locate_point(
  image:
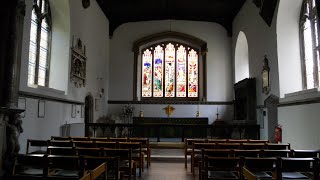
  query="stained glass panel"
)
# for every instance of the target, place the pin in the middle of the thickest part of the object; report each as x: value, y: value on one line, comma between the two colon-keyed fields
x: 181, y: 71
x: 158, y: 72
x: 147, y: 73
x: 192, y: 73
x: 170, y: 71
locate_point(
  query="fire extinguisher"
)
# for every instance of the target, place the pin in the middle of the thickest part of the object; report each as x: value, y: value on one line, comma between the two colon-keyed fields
x: 278, y: 134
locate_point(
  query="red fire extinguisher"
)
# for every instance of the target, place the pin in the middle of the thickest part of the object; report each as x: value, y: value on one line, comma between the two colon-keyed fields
x: 278, y: 134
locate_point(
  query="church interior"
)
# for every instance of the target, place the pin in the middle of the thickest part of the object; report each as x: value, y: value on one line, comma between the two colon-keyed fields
x: 204, y: 80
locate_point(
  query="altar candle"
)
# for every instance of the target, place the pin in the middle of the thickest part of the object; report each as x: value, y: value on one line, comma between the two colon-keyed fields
x: 217, y: 109
x: 198, y: 107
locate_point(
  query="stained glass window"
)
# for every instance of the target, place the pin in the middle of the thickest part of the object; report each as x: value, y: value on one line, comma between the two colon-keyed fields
x: 39, y: 43
x: 170, y: 70
x: 310, y: 44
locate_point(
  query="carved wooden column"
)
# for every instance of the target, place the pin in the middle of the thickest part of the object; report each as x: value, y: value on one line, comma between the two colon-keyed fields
x: 11, y: 31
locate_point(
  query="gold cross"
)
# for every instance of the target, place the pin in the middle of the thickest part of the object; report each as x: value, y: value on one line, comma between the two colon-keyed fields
x: 169, y: 110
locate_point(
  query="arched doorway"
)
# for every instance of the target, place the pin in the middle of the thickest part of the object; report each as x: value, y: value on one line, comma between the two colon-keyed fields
x: 88, y: 112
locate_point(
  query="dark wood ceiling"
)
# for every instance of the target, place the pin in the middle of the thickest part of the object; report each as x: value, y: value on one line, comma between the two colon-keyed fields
x: 123, y: 11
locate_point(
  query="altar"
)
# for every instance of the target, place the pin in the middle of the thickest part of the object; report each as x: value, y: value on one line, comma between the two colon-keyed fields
x: 170, y: 127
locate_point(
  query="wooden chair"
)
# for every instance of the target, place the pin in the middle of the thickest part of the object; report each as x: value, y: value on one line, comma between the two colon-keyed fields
x: 196, y: 153
x: 65, y: 166
x: 222, y: 168
x: 229, y: 145
x: 126, y: 164
x: 60, y: 138
x: 54, y: 150
x: 89, y: 144
x: 237, y: 141
x: 78, y: 138
x: 113, y: 171
x: 118, y: 139
x: 61, y: 143
x: 30, y: 166
x: 217, y: 140
x: 188, y: 144
x: 246, y: 153
x: 99, y: 171
x: 275, y: 153
x: 85, y: 151
x: 104, y: 139
x: 212, y: 153
x: 41, y: 146
x: 258, y: 168
x: 145, y: 147
x: 102, y: 144
x: 305, y: 153
x: 254, y: 146
x: 258, y: 141
x: 297, y: 168
x: 275, y: 146
x: 137, y: 155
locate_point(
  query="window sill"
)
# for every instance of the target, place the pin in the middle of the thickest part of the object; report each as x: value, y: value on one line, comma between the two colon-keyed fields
x: 301, y: 97
x: 47, y: 89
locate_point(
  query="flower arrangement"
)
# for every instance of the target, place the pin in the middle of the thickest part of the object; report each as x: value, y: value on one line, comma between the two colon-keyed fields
x: 127, y: 110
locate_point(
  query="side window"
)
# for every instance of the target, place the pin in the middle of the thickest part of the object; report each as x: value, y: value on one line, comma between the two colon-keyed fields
x: 40, y: 38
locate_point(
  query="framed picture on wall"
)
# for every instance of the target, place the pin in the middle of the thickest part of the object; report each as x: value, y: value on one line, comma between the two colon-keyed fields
x: 41, y: 108
x: 73, y: 110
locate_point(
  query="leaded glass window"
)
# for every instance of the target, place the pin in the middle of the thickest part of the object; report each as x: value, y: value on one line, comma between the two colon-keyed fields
x: 170, y: 70
x: 40, y: 34
x: 309, y: 44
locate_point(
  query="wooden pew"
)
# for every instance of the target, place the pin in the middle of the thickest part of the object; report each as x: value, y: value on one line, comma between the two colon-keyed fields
x: 41, y: 146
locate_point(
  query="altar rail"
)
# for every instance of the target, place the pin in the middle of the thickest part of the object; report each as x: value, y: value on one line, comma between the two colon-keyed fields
x: 239, y: 131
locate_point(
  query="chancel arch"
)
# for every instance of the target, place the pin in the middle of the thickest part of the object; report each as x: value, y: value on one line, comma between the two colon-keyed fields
x: 159, y: 62
x: 241, y: 68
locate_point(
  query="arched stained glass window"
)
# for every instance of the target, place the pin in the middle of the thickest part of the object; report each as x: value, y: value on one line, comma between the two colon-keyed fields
x: 170, y: 70
x: 310, y: 48
x: 40, y: 32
